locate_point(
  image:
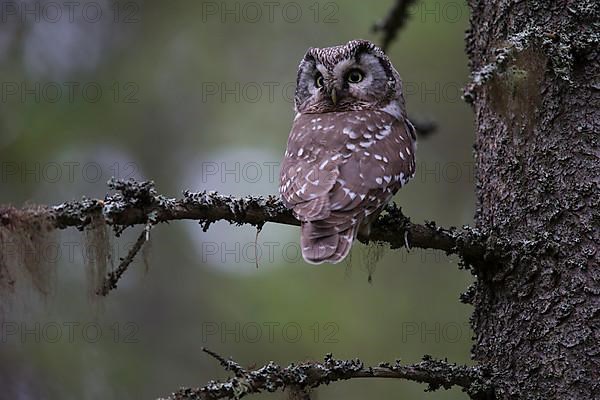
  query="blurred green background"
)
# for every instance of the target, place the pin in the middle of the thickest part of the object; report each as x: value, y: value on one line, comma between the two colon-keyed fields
x: 198, y: 95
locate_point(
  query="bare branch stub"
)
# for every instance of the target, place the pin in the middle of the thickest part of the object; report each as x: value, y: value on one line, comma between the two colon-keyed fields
x: 272, y: 377
x: 424, y: 126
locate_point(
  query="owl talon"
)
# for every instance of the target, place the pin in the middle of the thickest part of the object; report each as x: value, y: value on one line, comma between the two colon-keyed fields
x: 406, y: 244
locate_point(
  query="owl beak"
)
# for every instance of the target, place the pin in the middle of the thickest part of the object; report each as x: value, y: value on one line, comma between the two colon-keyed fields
x: 333, y: 96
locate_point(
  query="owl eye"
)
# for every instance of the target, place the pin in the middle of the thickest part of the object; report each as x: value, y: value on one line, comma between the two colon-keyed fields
x: 355, y: 76
x: 319, y: 81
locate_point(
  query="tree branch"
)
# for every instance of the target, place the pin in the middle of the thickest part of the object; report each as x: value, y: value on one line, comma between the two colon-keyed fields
x: 390, y: 25
x: 138, y: 203
x: 393, y: 22
x: 272, y: 377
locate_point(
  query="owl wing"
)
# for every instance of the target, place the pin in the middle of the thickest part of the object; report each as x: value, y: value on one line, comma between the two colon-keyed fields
x: 381, y: 161
x: 310, y: 168
x: 361, y: 159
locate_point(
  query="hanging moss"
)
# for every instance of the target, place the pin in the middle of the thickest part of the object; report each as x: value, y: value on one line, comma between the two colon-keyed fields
x: 27, y: 266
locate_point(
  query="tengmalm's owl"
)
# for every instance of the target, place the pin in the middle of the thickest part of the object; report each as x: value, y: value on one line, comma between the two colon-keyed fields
x: 350, y: 149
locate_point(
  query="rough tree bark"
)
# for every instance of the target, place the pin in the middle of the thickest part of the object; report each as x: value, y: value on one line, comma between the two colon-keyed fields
x: 535, y: 93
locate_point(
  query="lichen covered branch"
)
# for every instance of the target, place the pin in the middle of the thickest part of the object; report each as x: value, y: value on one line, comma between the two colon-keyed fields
x: 272, y: 377
x: 139, y: 203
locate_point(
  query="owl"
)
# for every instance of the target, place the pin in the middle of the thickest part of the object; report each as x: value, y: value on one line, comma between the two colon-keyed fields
x: 350, y: 149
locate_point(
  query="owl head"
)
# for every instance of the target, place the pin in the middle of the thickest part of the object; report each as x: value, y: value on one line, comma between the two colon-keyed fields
x: 354, y: 76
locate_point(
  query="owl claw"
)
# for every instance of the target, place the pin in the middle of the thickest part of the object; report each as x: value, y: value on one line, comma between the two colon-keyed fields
x: 406, y: 244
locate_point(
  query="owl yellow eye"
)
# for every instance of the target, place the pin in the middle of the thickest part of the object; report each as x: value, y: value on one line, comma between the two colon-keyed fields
x: 319, y: 81
x: 355, y: 76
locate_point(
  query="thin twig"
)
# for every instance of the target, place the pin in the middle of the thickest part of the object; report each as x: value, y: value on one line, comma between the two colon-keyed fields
x: 110, y: 282
x: 229, y: 365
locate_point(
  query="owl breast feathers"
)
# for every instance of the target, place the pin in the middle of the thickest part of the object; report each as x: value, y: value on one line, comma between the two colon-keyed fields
x: 349, y: 150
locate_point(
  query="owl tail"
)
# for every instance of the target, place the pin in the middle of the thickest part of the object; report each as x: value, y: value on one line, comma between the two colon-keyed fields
x: 332, y: 249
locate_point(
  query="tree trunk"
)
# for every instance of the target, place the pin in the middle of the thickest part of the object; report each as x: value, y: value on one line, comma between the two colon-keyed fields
x: 536, y: 97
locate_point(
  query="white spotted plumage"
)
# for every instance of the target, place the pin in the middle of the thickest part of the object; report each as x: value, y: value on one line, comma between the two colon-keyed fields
x: 350, y: 148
